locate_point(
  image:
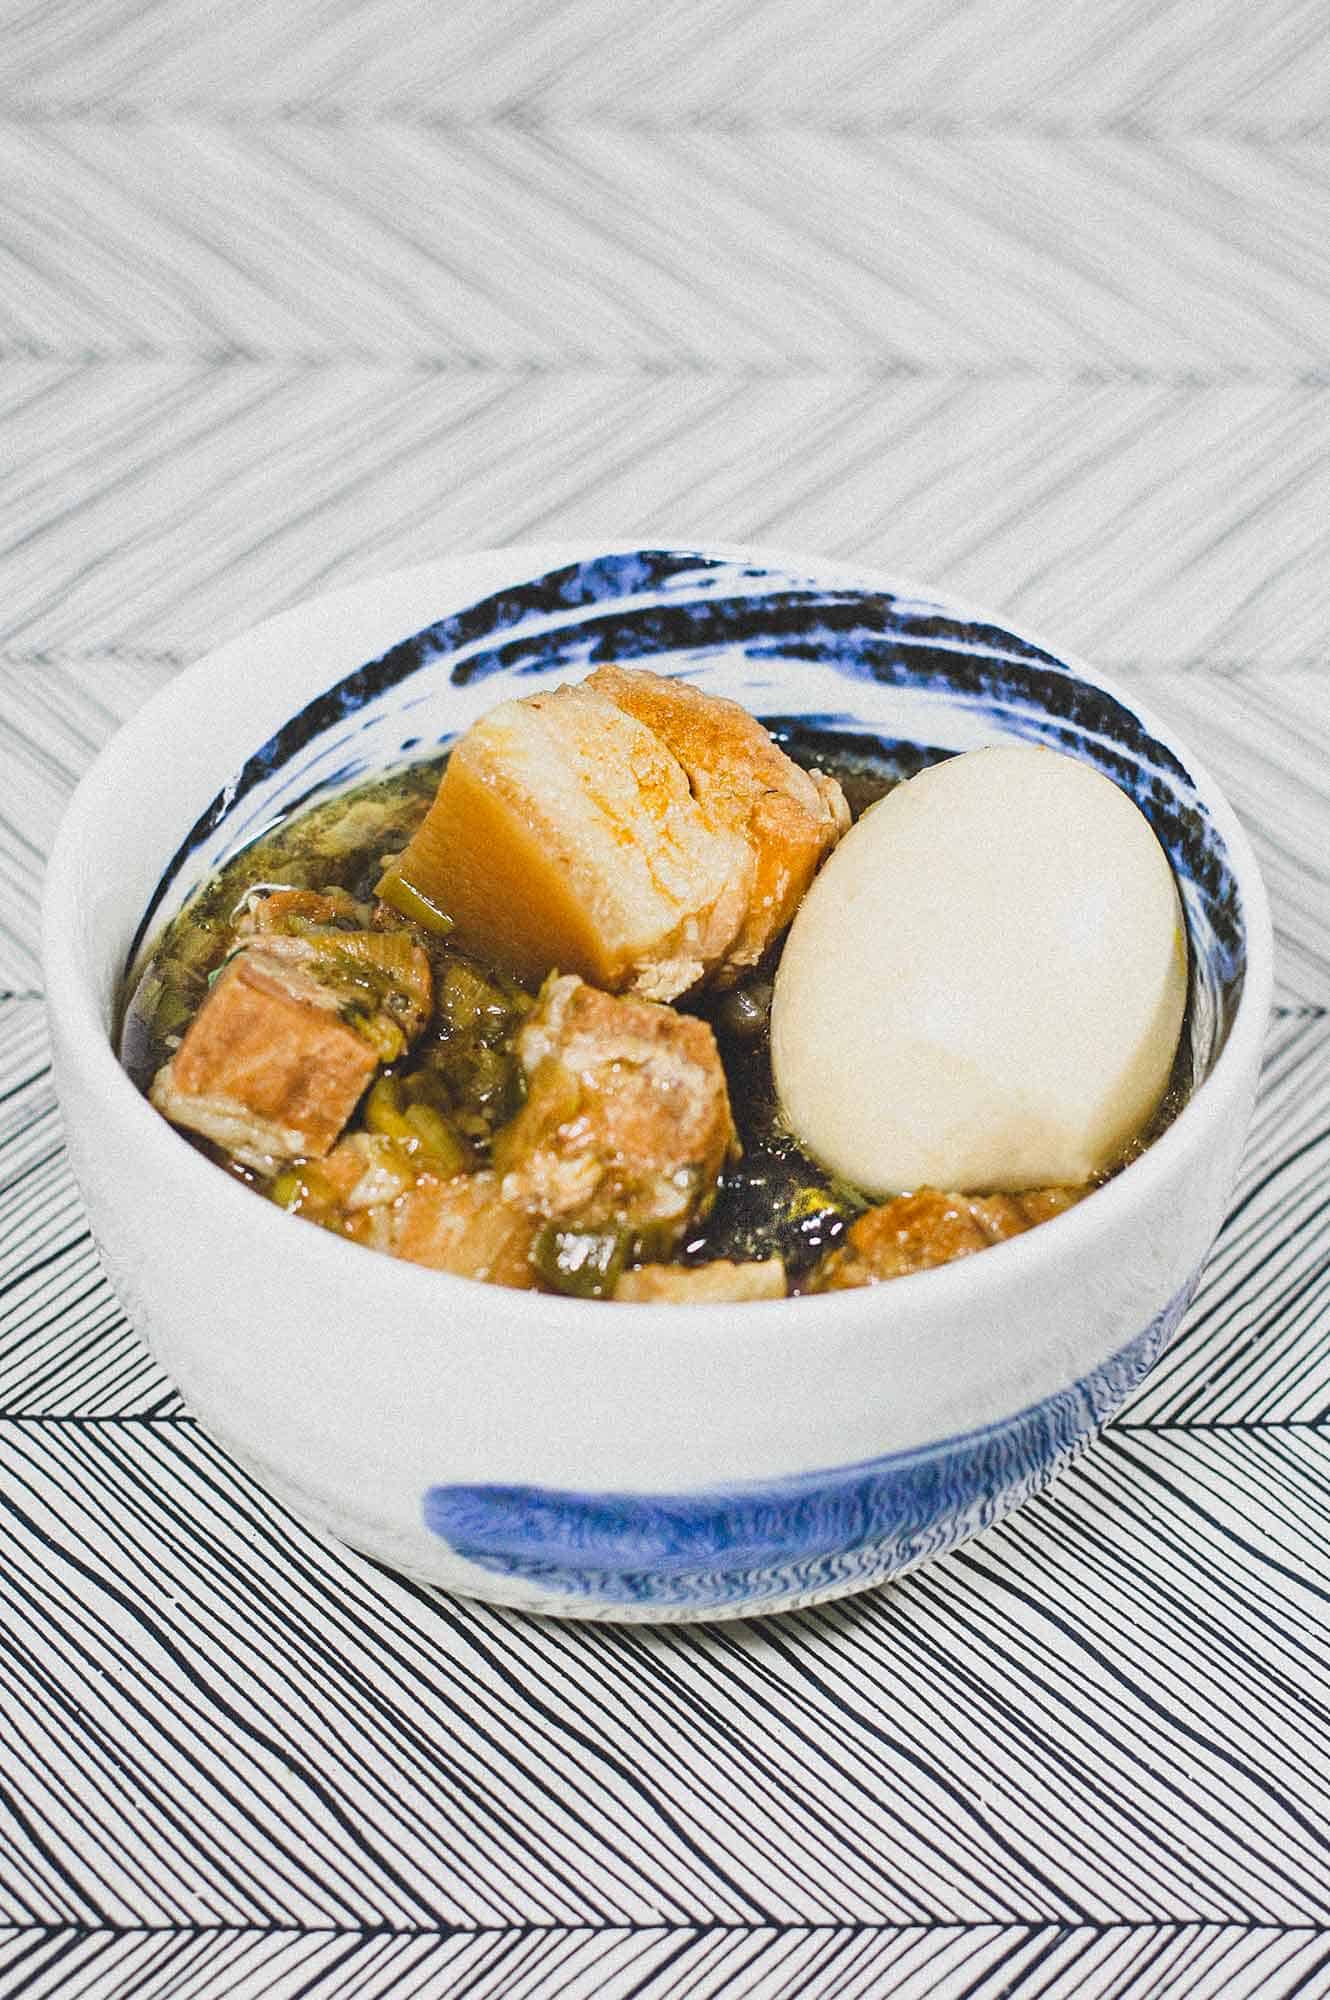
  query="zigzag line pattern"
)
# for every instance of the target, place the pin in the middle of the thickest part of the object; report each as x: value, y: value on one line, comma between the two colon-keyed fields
x: 1027, y: 302
x: 1244, y: 68
x: 1057, y: 1961
x: 1002, y: 249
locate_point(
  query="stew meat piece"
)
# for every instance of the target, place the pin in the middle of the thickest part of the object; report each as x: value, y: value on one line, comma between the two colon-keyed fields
x: 266, y: 1069
x: 627, y: 1120
x: 460, y: 1225
x: 277, y: 1057
x: 718, y: 1283
x: 628, y: 828
x: 915, y: 1232
x: 370, y: 1189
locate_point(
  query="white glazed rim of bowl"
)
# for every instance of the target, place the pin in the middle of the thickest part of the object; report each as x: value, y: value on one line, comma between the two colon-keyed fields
x: 77, y: 1008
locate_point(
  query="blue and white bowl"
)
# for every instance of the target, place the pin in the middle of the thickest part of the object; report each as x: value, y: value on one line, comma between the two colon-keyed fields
x: 651, y: 1462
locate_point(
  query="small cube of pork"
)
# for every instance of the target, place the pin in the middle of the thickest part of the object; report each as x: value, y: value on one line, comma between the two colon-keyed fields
x: 718, y: 1282
x: 371, y: 1189
x: 461, y: 1225
x: 275, y: 1061
x: 915, y: 1232
x: 627, y: 1119
x: 266, y: 1069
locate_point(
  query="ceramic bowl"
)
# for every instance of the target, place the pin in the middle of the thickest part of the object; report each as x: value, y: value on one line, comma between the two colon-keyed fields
x: 576, y: 1458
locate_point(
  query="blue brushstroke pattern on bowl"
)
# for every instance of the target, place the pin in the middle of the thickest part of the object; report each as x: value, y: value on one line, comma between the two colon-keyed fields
x: 767, y: 1541
x: 857, y: 659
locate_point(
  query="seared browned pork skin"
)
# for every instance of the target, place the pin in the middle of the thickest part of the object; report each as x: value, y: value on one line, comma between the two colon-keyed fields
x: 788, y: 819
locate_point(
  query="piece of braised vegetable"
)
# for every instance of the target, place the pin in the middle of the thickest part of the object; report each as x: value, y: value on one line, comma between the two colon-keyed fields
x: 464, y: 1067
x: 626, y: 1125
x: 418, y: 1126
x: 581, y: 1263
x: 381, y: 981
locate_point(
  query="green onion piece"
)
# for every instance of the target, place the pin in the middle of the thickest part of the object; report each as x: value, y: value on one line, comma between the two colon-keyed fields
x: 296, y: 1188
x: 288, y: 1190
x: 174, y: 1012
x: 581, y: 1263
x: 425, y: 1085
x: 413, y: 903
x: 383, y: 1110
x: 444, y: 1146
x: 465, y: 995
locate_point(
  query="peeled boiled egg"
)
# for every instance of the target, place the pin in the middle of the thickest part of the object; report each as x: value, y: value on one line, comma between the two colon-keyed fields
x: 984, y: 987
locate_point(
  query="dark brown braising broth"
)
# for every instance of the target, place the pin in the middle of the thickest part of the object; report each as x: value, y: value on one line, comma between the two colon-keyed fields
x: 774, y: 1200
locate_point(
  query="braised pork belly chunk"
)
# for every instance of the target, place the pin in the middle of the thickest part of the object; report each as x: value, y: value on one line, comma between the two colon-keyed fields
x: 786, y: 819
x: 267, y: 1068
x: 631, y: 829
x: 917, y: 1232
x: 462, y: 1225
x: 293, y: 1028
x: 400, y: 1197
x: 627, y: 1119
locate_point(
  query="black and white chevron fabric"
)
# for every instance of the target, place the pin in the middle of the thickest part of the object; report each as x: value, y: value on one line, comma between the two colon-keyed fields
x: 1027, y: 301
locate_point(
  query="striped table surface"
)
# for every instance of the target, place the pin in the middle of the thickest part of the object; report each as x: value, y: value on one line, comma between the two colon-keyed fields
x: 1027, y: 301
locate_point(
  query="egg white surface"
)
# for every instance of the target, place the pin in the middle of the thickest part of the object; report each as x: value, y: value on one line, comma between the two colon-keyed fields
x: 984, y: 987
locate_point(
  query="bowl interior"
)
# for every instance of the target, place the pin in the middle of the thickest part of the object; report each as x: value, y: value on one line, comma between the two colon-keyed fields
x: 816, y: 648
